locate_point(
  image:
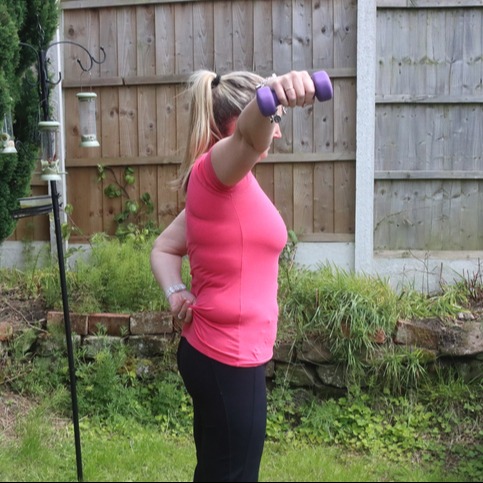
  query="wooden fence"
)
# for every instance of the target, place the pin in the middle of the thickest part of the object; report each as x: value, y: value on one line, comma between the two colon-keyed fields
x: 152, y: 47
x: 429, y: 125
x: 429, y: 110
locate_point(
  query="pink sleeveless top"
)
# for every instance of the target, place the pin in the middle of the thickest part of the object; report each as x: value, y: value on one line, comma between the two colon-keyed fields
x: 234, y: 237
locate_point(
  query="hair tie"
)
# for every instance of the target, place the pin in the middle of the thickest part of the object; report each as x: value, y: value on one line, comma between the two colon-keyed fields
x: 215, y: 81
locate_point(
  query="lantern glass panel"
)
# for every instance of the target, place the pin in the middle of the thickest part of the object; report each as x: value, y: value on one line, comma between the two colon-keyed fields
x: 49, y: 150
x: 87, y: 119
x: 7, y: 141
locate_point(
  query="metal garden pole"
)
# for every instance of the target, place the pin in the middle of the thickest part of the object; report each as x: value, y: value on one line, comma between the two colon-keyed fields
x: 44, y: 87
x: 68, y: 332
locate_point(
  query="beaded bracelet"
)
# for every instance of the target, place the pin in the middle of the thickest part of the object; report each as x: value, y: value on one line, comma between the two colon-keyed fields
x: 263, y: 83
x: 179, y: 287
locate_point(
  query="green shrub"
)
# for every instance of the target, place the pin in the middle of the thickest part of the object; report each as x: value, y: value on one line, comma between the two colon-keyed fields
x: 19, y: 22
x: 115, y: 277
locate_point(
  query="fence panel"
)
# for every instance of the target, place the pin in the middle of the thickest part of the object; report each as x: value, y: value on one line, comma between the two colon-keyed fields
x: 152, y: 47
x: 429, y: 126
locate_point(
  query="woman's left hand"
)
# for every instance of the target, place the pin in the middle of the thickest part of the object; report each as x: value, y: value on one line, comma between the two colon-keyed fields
x: 181, y: 308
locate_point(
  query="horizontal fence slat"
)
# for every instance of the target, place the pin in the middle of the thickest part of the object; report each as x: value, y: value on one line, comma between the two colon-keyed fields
x: 326, y: 237
x: 427, y: 3
x: 162, y: 160
x: 425, y: 254
x: 77, y: 4
x: 422, y: 175
x: 98, y: 82
x: 122, y: 161
x: 444, y: 99
x: 171, y: 79
x: 310, y: 157
x: 128, y: 81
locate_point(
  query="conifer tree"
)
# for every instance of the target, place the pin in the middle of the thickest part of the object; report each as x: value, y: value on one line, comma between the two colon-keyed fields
x: 21, y: 21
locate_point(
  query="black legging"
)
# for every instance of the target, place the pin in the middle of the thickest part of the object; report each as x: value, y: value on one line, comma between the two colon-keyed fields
x: 230, y: 412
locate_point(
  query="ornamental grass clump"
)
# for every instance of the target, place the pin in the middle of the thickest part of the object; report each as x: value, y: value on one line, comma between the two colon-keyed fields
x: 352, y: 312
x: 356, y: 314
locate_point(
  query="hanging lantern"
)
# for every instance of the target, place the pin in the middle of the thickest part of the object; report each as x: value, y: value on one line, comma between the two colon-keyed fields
x: 7, y: 141
x: 49, y: 151
x: 87, y: 115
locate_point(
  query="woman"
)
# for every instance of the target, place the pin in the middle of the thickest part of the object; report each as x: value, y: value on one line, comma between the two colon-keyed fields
x: 233, y: 236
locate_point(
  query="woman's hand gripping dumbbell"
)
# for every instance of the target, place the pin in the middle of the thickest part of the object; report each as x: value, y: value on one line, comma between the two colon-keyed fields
x: 268, y: 99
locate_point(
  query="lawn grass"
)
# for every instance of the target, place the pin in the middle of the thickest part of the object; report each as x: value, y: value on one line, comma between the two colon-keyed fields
x: 42, y: 449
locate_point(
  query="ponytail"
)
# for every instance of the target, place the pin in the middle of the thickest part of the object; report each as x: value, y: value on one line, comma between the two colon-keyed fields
x: 214, y: 102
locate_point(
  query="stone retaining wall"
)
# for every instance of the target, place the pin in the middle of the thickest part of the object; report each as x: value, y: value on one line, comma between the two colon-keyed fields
x: 309, y: 364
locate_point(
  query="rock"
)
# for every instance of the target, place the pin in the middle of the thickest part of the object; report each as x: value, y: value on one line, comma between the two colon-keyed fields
x: 332, y: 375
x: 314, y: 350
x: 298, y: 375
x: 417, y: 333
x: 466, y: 340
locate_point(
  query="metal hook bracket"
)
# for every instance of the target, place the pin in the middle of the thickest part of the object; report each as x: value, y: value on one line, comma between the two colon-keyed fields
x: 42, y: 69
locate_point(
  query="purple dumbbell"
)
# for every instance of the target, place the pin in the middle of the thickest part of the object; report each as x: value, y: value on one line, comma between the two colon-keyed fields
x: 267, y: 99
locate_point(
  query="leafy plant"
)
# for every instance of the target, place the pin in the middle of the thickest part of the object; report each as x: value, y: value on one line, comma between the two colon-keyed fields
x: 387, y: 426
x: 398, y: 368
x: 134, y: 220
x: 346, y: 309
x: 115, y: 276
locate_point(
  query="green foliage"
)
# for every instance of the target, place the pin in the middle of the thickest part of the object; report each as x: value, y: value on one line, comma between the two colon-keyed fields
x: 19, y: 22
x: 106, y: 389
x: 459, y: 417
x: 136, y: 217
x: 170, y: 404
x: 344, y: 308
x: 9, y: 56
x: 351, y: 312
x: 409, y: 409
x: 115, y: 277
x: 112, y: 384
x: 397, y: 368
x: 447, y: 303
x: 347, y: 310
x: 281, y: 414
x: 355, y: 423
x: 35, y: 13
x: 326, y: 299
x: 33, y: 375
x: 398, y: 428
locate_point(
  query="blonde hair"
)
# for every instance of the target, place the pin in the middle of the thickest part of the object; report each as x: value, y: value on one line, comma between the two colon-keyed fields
x: 214, y: 102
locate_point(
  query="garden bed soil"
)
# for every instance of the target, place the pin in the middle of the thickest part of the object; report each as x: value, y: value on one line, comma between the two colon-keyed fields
x: 19, y: 311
